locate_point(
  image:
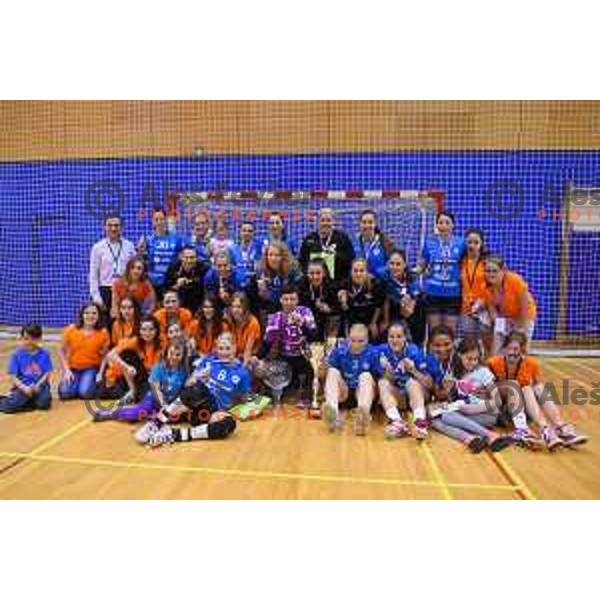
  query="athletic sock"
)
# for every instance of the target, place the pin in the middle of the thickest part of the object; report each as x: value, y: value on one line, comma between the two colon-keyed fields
x: 200, y: 432
x: 520, y: 421
x: 392, y: 413
x: 420, y: 414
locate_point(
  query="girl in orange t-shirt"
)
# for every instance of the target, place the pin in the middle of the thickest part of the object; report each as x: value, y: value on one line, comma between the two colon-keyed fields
x: 244, y: 327
x: 207, y: 326
x: 134, y: 358
x: 83, y: 348
x: 172, y: 312
x: 516, y: 368
x: 474, y: 319
x: 509, y: 302
x: 134, y: 283
x: 127, y: 326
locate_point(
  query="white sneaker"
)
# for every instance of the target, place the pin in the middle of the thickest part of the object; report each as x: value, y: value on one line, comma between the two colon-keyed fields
x: 163, y: 436
x: 145, y: 432
x: 360, y: 422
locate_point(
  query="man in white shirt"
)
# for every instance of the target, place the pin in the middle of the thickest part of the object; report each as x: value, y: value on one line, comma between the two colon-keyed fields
x: 108, y: 260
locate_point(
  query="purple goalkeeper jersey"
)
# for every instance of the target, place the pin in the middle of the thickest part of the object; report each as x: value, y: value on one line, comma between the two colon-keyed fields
x: 291, y: 337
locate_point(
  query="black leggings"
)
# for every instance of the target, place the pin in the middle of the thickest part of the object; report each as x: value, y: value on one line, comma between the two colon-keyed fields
x: 142, y: 384
x: 302, y: 372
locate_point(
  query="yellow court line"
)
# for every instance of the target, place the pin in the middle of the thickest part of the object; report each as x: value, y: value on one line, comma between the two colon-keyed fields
x: 255, y: 474
x: 14, y: 474
x: 521, y: 487
x: 59, y: 437
x: 437, y: 473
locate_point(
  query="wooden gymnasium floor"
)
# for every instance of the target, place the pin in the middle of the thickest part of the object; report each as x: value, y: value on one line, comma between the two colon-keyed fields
x: 63, y: 455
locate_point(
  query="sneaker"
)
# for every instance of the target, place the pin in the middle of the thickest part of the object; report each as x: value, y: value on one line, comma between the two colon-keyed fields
x: 550, y: 438
x: 100, y: 416
x: 164, y: 435
x: 477, y: 445
x: 570, y: 437
x: 396, y: 429
x: 360, y: 422
x: 145, y: 432
x: 500, y: 443
x: 421, y: 429
x: 332, y: 418
x: 526, y: 439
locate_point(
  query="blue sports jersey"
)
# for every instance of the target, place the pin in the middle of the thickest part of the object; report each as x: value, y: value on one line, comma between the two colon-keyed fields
x: 161, y: 251
x: 351, y: 366
x: 250, y: 256
x: 434, y: 369
x: 443, y: 258
x: 373, y: 252
x: 170, y: 381
x: 29, y: 368
x: 236, y: 282
x: 201, y: 249
x: 395, y: 289
x: 228, y: 382
x: 410, y: 351
x: 290, y: 241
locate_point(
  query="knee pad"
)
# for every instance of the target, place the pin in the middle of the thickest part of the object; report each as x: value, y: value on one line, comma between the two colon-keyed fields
x: 221, y: 429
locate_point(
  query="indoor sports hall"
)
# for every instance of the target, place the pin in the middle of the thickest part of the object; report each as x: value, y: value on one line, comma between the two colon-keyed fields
x: 527, y: 173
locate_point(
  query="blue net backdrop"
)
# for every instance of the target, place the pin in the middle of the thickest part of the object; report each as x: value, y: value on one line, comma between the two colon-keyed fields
x: 53, y: 207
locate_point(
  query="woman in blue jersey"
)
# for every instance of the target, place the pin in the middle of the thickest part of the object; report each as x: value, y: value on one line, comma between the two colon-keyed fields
x: 441, y: 262
x: 277, y: 269
x: 349, y: 381
x: 250, y: 248
x: 224, y: 279
x: 218, y: 382
x: 159, y: 250
x: 276, y: 232
x: 403, y: 302
x: 371, y: 244
x: 397, y: 368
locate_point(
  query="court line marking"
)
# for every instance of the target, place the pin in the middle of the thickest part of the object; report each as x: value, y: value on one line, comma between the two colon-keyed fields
x: 436, y: 471
x: 22, y: 457
x: 521, y: 487
x: 255, y: 474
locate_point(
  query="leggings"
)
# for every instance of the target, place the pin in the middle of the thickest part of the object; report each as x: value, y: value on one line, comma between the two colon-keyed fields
x: 303, y: 372
x: 460, y: 427
x: 137, y: 412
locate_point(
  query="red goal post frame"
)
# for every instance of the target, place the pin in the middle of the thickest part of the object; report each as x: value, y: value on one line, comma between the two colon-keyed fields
x: 176, y: 200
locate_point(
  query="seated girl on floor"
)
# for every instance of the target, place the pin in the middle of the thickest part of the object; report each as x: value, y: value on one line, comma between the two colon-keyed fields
x: 81, y: 352
x: 218, y: 382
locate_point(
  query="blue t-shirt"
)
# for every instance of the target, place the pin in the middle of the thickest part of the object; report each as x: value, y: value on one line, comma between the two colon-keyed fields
x: 228, y: 381
x: 443, y: 258
x: 201, y: 249
x: 236, y: 282
x: 373, y: 252
x: 170, y: 381
x: 395, y: 289
x: 29, y: 368
x: 410, y: 351
x: 161, y: 252
x: 352, y: 366
x: 250, y: 256
x: 435, y: 370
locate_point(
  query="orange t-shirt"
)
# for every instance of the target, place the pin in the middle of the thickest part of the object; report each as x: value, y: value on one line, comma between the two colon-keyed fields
x: 528, y: 370
x: 150, y: 355
x: 121, y: 331
x: 184, y: 316
x: 85, y: 349
x: 241, y: 334
x: 204, y: 343
x: 473, y: 284
x: 507, y: 301
x: 139, y: 291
